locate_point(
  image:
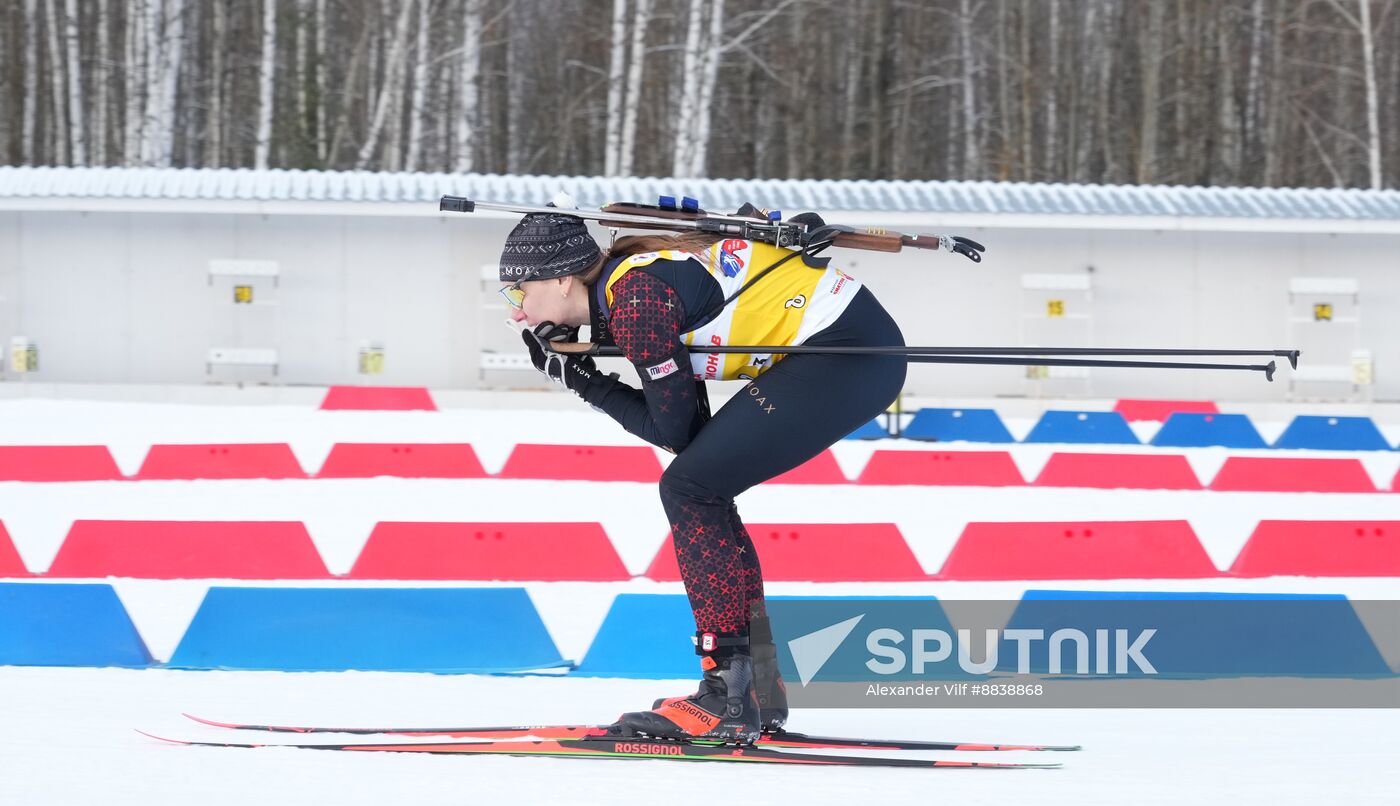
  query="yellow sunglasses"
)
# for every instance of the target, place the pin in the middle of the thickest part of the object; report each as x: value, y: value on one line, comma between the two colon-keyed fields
x: 513, y: 294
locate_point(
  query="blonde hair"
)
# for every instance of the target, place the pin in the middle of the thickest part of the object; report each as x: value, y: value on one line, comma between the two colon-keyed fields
x: 693, y: 242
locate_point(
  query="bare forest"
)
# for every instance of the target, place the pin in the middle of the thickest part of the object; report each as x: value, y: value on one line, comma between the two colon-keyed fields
x: 1234, y: 92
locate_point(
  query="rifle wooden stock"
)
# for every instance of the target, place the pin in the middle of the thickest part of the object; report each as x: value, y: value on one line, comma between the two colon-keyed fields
x: 632, y: 224
x: 921, y: 241
x: 627, y: 208
x: 870, y: 240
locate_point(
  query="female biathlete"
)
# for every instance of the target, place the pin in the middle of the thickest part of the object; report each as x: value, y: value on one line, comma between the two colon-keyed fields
x: 654, y: 297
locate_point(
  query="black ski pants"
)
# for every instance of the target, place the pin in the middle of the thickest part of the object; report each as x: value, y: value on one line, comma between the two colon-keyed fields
x: 791, y: 413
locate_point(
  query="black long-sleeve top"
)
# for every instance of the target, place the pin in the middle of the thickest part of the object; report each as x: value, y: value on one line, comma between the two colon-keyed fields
x: 653, y: 306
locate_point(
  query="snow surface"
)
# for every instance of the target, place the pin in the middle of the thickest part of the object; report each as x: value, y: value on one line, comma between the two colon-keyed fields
x: 66, y: 735
x: 68, y: 739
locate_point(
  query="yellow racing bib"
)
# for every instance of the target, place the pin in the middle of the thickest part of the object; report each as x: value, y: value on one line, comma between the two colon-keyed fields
x: 784, y: 308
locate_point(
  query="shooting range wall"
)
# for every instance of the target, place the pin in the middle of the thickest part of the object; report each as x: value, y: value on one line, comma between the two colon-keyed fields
x: 131, y: 276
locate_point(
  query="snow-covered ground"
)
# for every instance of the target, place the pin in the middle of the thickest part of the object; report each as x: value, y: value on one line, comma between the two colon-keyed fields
x: 66, y: 738
x: 66, y: 735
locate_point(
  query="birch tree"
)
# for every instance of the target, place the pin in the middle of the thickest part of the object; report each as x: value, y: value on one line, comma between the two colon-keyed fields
x: 1269, y: 136
x: 641, y: 17
x: 301, y: 48
x: 467, y: 106
x: 1003, y: 93
x: 852, y: 93
x: 518, y: 59
x: 1103, y: 119
x: 709, y: 74
x: 972, y: 149
x: 213, y: 150
x: 58, y: 131
x: 168, y: 17
x: 266, y: 69
x: 29, y: 126
x: 682, y: 137
x: 393, y: 67
x: 417, y: 107
x: 133, y: 79
x: 319, y: 65
x: 704, y: 49
x: 76, y: 129
x: 1150, y: 57
x: 617, y: 63
x: 150, y: 84
x: 1052, y: 78
x: 1361, y: 21
x: 1228, y: 120
x: 374, y: 56
x: 100, y: 84
x: 1025, y: 124
x: 1253, y: 78
x: 1241, y: 92
x: 352, y: 79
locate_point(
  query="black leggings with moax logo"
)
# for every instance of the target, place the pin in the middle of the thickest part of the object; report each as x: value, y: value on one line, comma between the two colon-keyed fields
x: 790, y: 414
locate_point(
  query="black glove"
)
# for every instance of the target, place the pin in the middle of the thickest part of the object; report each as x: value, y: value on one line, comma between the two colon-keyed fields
x: 578, y: 373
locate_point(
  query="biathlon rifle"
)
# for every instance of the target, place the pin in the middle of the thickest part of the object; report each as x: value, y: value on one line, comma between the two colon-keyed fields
x: 806, y: 233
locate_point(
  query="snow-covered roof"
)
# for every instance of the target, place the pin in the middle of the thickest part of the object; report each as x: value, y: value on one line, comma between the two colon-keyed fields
x: 976, y: 198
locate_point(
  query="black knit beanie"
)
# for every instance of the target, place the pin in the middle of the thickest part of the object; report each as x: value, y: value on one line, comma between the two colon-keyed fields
x: 546, y: 245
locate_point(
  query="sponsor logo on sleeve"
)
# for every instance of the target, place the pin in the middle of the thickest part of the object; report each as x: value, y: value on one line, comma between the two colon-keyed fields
x: 663, y: 369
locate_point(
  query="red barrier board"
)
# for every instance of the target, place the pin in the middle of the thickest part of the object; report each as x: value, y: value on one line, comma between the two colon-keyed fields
x: 551, y: 552
x: 359, y: 460
x: 378, y: 398
x: 1321, y: 549
x: 267, y: 461
x: 1160, y: 410
x: 57, y: 463
x: 1080, y: 550
x: 820, y: 469
x: 10, y: 563
x: 942, y: 468
x: 188, y: 550
x: 1139, y: 471
x: 812, y: 552
x: 1280, y: 474
x: 582, y: 463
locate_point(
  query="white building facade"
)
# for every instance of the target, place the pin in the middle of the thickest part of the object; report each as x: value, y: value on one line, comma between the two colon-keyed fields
x: 305, y: 278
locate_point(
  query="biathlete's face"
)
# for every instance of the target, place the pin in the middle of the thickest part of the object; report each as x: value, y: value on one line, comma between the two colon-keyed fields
x: 535, y: 301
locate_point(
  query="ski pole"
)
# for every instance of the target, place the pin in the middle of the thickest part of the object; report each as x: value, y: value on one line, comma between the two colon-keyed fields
x: 1008, y: 356
x: 1291, y: 355
x: 1029, y: 361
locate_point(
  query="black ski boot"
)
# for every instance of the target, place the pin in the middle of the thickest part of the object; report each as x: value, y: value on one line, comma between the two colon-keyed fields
x: 772, y: 694
x: 725, y: 708
x: 767, y: 680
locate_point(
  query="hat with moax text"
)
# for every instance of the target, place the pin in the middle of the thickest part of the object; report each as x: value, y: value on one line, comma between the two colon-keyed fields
x: 547, y: 245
